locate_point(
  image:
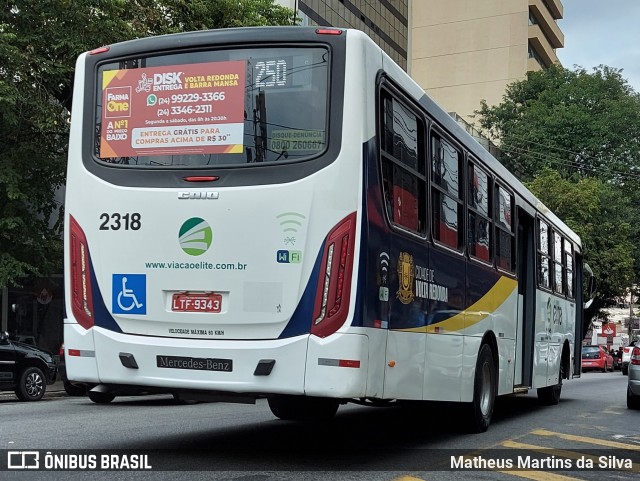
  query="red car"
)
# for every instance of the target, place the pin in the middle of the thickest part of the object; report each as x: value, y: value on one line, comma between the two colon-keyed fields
x: 596, y: 357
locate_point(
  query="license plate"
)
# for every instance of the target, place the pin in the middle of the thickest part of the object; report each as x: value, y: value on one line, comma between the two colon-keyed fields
x: 192, y: 302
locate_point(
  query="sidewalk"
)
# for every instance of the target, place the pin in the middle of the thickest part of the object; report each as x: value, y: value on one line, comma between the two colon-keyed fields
x: 55, y: 387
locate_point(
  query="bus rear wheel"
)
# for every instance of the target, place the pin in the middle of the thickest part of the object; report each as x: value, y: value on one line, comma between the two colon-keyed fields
x: 480, y: 410
x: 550, y: 395
x: 302, y: 408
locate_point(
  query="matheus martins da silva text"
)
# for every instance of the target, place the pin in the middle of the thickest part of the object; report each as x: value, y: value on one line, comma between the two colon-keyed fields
x: 549, y: 462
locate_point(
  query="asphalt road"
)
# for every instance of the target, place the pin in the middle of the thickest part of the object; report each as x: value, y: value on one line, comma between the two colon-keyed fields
x: 216, y: 441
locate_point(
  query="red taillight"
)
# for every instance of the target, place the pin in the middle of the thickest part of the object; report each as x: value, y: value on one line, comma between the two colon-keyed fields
x: 626, y: 349
x: 61, y: 353
x: 328, y: 31
x: 99, y: 50
x: 635, y: 356
x: 334, y: 282
x: 201, y: 178
x: 81, y: 297
x: 74, y: 352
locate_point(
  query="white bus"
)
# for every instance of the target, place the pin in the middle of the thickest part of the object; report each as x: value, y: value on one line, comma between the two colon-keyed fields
x: 283, y: 212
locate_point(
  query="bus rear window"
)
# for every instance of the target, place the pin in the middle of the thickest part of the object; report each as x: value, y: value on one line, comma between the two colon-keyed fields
x: 213, y: 108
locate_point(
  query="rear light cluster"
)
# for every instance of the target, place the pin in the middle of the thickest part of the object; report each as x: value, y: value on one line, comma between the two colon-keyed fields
x: 635, y: 356
x: 81, y: 296
x: 334, y: 282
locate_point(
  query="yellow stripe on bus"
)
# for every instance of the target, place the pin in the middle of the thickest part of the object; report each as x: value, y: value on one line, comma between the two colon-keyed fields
x: 484, y: 307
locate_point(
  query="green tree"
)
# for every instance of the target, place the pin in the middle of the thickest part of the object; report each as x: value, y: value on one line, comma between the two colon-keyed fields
x: 572, y: 121
x: 598, y: 213
x: 39, y: 42
x: 572, y: 136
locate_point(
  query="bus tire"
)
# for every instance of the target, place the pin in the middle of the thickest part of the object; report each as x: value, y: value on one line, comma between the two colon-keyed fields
x: 101, y: 397
x: 302, y: 408
x: 485, y: 387
x: 633, y: 402
x: 550, y: 395
x: 32, y: 385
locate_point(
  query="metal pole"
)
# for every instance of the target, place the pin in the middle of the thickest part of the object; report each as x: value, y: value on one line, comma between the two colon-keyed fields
x: 5, y: 310
x: 630, y: 312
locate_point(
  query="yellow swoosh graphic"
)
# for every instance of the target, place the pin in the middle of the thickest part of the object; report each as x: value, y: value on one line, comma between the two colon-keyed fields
x: 475, y: 313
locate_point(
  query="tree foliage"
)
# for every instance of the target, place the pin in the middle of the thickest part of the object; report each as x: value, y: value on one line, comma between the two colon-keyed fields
x: 39, y: 42
x: 572, y: 121
x: 599, y: 215
x: 574, y: 138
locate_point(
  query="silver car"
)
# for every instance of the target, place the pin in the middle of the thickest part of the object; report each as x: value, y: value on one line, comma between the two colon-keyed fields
x: 633, y: 386
x: 626, y: 354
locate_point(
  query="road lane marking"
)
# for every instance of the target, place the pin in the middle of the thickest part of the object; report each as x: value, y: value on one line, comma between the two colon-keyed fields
x: 562, y: 453
x: 587, y: 440
x: 539, y: 475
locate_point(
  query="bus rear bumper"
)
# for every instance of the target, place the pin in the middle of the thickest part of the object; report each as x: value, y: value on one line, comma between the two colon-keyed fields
x: 79, y: 355
x: 224, y: 366
x: 195, y: 364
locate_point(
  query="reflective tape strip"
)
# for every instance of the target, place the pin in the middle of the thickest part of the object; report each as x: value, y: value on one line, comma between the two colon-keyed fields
x: 81, y: 353
x: 323, y: 361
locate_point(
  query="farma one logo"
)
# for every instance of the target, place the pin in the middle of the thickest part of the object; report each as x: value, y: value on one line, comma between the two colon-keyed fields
x: 195, y: 236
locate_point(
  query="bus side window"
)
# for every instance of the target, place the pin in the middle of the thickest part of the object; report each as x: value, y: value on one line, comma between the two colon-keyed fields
x: 505, y: 237
x: 402, y: 162
x: 446, y: 162
x: 558, y: 274
x: 544, y: 279
x: 480, y: 225
x: 568, y: 264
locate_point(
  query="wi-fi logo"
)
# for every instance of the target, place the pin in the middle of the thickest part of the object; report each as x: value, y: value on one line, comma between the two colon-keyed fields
x: 384, y: 264
x: 290, y: 223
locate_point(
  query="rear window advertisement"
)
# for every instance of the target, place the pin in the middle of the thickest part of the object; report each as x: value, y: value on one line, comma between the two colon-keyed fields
x: 173, y: 110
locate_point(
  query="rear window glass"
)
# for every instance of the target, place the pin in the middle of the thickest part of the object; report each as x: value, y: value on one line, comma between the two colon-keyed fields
x: 212, y: 108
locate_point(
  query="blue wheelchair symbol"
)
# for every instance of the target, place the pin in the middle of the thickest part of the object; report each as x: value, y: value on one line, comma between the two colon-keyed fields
x: 129, y: 294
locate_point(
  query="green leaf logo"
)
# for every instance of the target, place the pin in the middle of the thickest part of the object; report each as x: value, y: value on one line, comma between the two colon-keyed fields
x: 195, y: 236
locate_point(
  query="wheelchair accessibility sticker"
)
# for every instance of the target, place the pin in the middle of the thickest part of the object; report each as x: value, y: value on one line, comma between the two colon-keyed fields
x: 129, y: 294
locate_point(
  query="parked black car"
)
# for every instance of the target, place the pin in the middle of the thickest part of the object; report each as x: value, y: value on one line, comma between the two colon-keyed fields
x: 25, y: 369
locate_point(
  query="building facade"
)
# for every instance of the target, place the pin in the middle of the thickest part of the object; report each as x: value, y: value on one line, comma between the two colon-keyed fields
x: 464, y: 51
x: 385, y: 21
x: 459, y: 51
